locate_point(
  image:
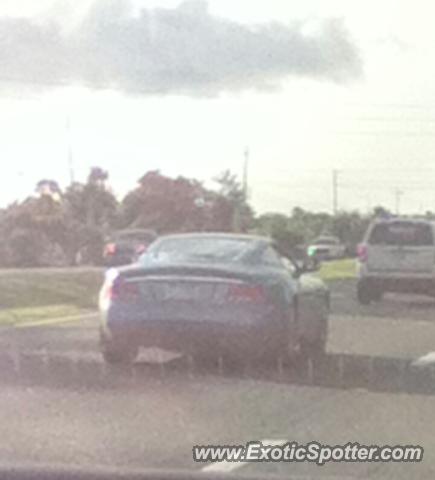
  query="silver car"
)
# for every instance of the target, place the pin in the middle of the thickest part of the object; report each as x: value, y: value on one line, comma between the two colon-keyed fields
x: 213, y: 295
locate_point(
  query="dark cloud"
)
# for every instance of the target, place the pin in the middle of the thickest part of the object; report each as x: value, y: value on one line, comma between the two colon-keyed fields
x: 183, y: 50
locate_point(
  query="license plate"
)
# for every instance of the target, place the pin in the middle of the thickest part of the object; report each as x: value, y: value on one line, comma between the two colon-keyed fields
x: 180, y: 292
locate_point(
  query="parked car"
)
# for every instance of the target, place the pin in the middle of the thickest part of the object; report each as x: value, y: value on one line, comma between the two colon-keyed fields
x: 126, y: 246
x: 326, y: 248
x: 213, y: 295
x: 397, y: 255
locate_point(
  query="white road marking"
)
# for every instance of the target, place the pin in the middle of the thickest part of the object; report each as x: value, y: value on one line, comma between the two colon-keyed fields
x: 227, y: 467
x: 157, y: 356
x: 54, y: 321
x: 425, y: 360
x: 223, y: 467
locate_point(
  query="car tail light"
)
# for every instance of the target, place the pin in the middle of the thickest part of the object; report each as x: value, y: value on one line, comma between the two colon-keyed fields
x: 362, y: 252
x: 110, y: 249
x: 120, y: 289
x: 246, y: 294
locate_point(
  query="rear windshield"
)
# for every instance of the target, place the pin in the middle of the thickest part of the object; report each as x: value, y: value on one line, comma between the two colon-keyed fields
x: 401, y: 233
x: 202, y: 250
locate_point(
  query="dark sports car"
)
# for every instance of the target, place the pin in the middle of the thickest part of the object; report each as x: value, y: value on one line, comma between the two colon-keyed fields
x: 212, y: 295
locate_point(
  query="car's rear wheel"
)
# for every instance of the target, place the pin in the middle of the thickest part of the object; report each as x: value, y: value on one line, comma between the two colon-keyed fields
x: 118, y: 353
x: 274, y: 359
x: 377, y: 295
x: 119, y: 356
x: 366, y: 292
x: 206, y: 361
x: 315, y: 347
x: 312, y: 348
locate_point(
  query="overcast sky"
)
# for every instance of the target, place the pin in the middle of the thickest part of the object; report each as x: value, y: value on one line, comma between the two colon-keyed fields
x: 184, y: 87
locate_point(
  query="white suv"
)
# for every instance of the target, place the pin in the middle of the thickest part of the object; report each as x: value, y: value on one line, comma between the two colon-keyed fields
x: 397, y: 255
x: 326, y: 248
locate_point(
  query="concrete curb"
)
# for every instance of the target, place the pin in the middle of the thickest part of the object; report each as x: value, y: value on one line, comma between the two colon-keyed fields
x: 376, y: 374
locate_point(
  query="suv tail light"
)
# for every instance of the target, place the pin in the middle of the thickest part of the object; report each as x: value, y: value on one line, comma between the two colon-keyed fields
x: 246, y: 294
x: 362, y: 252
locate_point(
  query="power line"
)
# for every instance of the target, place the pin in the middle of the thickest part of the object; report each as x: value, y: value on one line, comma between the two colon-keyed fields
x: 389, y: 133
x: 386, y: 119
x: 392, y: 105
x: 345, y: 170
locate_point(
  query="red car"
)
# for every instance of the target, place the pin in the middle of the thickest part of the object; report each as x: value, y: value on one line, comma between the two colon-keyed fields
x: 126, y: 246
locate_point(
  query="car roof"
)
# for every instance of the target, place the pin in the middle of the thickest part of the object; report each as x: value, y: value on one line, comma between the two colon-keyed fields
x: 134, y: 232
x: 327, y: 237
x: 218, y: 235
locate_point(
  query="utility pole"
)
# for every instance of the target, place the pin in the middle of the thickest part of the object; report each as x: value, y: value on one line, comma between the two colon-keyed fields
x: 335, y: 191
x: 245, y: 174
x: 397, y: 195
x: 69, y: 153
x: 237, y: 213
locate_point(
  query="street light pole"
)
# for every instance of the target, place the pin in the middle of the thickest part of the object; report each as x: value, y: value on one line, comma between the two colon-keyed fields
x: 335, y: 191
x: 397, y: 195
x: 69, y: 153
x: 245, y: 174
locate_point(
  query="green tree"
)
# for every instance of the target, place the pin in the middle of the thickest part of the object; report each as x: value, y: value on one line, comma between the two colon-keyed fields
x: 32, y: 231
x: 233, y: 202
x: 164, y: 204
x: 89, y: 211
x: 279, y: 227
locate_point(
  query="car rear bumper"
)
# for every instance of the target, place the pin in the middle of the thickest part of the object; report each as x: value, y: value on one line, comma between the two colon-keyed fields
x: 217, y: 336
x: 322, y: 254
x: 390, y: 283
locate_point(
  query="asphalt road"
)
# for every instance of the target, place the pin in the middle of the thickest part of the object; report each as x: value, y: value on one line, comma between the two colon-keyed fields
x: 151, y: 417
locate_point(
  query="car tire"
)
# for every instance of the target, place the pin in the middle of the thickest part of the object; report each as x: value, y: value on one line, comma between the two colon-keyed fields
x: 117, y: 353
x: 366, y: 293
x: 206, y: 361
x: 377, y: 295
x: 274, y: 360
x: 118, y: 357
x: 315, y: 348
